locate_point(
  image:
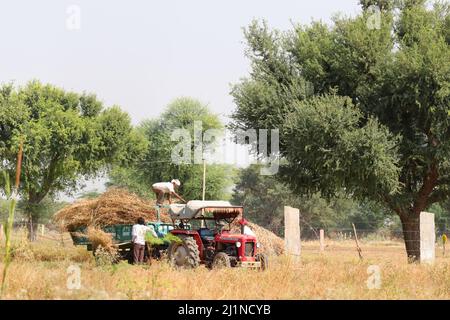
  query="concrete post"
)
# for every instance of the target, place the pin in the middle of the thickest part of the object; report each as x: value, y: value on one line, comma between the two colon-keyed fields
x: 1, y: 232
x: 292, y: 231
x: 322, y: 240
x: 42, y: 229
x: 427, y: 237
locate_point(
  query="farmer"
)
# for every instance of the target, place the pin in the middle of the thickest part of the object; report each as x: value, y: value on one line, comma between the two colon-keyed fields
x: 162, y: 188
x: 138, y: 238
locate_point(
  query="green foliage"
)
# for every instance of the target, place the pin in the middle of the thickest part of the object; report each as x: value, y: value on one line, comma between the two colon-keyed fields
x: 67, y: 136
x: 42, y: 212
x: 382, y: 4
x: 157, y: 164
x: 167, y: 239
x: 323, y: 139
x: 441, y: 216
x: 264, y: 198
x: 376, y: 124
x: 129, y: 178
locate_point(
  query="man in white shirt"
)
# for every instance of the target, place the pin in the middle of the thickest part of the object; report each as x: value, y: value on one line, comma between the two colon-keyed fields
x: 138, y: 238
x: 162, y: 188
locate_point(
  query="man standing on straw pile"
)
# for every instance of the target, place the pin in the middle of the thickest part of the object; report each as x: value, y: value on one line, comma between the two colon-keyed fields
x: 162, y: 188
x: 138, y: 237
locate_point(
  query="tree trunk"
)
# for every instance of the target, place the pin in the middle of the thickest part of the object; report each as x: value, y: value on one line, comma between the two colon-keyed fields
x: 33, y: 215
x: 411, y: 235
x: 32, y: 227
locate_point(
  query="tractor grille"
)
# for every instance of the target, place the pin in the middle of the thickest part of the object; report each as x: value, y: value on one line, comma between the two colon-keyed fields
x: 249, y: 248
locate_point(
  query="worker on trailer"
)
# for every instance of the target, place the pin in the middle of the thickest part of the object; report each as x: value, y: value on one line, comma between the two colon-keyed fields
x: 162, y: 188
x: 138, y: 238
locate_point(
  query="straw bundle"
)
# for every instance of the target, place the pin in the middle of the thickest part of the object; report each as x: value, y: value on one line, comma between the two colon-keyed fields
x: 105, y: 251
x: 271, y: 244
x: 115, y: 206
x: 99, y: 238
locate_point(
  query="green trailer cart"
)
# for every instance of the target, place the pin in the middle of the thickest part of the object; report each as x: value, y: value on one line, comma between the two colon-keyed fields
x: 121, y: 235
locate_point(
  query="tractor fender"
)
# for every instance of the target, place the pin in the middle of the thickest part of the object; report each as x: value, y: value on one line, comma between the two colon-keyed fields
x: 194, y: 234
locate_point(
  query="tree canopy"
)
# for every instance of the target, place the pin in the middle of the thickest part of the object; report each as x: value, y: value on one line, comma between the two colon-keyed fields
x: 66, y: 136
x: 364, y: 110
x: 264, y: 198
x: 157, y: 163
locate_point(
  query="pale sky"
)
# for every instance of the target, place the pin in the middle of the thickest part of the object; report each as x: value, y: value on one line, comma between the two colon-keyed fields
x: 143, y: 54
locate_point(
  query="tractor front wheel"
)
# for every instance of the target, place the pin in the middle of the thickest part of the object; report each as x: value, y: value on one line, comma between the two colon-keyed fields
x: 221, y: 260
x: 261, y: 257
x: 184, y: 254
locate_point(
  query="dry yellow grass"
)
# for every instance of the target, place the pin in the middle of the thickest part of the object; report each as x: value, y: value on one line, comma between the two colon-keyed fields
x: 335, y: 274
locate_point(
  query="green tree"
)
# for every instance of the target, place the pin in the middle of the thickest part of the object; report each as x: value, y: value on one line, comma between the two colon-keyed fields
x: 67, y: 136
x: 44, y: 210
x: 364, y: 110
x: 264, y: 199
x: 157, y: 163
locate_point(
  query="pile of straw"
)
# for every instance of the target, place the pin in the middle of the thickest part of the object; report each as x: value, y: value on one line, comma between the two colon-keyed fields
x: 115, y: 206
x: 271, y: 244
x: 99, y: 238
x: 105, y: 251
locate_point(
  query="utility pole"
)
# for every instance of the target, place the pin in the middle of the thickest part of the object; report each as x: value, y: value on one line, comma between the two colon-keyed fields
x: 204, y: 189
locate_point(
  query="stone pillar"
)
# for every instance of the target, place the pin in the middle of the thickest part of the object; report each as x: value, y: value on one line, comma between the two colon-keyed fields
x: 427, y: 237
x: 42, y: 229
x: 292, y: 231
x: 1, y: 232
x: 322, y: 240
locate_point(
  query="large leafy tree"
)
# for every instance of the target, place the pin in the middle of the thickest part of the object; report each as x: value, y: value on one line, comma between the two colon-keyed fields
x: 66, y: 136
x: 157, y: 163
x: 264, y: 198
x: 361, y: 108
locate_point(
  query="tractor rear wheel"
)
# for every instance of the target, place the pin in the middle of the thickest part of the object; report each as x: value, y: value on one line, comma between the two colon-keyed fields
x: 261, y: 257
x: 221, y: 260
x: 184, y: 254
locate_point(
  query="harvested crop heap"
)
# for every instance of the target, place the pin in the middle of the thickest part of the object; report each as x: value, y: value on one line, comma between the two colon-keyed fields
x: 100, y: 238
x: 115, y: 206
x: 118, y: 206
x: 271, y: 244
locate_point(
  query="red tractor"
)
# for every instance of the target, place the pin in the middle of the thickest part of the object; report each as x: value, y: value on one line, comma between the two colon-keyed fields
x: 204, y: 230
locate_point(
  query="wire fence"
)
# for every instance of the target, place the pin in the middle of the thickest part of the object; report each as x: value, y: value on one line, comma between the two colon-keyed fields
x: 388, y: 232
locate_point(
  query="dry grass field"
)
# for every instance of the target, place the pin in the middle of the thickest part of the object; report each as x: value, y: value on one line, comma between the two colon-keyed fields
x: 40, y: 271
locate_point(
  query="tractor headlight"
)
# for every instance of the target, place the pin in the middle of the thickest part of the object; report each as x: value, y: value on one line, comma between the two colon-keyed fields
x: 238, y: 244
x: 258, y: 245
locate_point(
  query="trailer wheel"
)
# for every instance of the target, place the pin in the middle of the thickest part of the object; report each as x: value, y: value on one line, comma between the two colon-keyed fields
x: 221, y: 260
x: 184, y: 254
